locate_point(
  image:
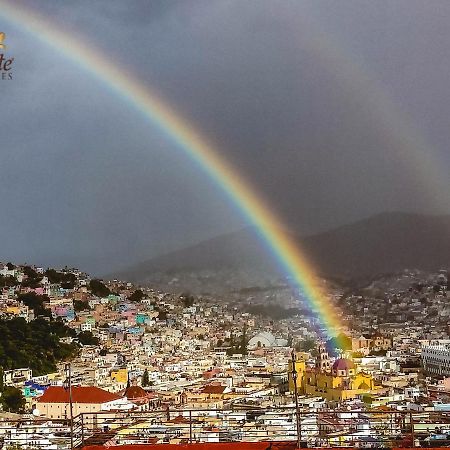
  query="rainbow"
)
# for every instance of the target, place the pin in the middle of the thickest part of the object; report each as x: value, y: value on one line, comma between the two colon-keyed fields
x: 401, y: 135
x: 159, y: 113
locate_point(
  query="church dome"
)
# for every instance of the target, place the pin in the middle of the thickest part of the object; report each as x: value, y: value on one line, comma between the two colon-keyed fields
x: 134, y: 392
x: 343, y: 364
x: 263, y: 339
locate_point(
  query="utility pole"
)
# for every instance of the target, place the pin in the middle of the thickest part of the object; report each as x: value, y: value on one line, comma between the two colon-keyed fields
x: 297, y: 409
x: 68, y: 386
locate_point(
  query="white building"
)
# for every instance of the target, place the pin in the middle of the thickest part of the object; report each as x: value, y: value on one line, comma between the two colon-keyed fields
x: 436, y: 359
x: 86, y: 326
x: 266, y: 340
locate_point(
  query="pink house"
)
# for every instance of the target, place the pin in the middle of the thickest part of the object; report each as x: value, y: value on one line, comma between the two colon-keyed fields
x: 61, y: 311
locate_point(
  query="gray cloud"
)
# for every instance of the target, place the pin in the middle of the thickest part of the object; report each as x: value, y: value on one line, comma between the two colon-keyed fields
x: 85, y: 179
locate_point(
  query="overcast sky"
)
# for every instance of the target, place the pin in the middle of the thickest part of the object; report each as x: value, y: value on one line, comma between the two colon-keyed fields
x: 328, y: 108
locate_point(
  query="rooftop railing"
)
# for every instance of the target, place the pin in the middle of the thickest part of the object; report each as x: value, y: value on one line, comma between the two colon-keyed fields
x: 334, y: 428
x: 35, y: 433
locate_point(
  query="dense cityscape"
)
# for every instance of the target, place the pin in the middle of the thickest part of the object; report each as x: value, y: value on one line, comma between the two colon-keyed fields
x: 224, y: 224
x: 130, y: 349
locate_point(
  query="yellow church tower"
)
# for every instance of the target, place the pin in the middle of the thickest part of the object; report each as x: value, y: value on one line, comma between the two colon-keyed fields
x: 300, y: 368
x: 334, y: 382
x: 323, y: 359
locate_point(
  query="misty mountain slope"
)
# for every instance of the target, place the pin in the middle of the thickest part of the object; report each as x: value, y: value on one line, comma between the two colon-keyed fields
x: 384, y: 243
x: 233, y: 251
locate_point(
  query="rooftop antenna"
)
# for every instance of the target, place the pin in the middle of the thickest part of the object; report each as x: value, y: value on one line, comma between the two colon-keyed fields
x: 297, y: 410
x: 68, y: 386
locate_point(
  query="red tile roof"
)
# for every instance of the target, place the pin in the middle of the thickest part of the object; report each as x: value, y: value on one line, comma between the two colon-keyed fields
x: 179, y: 420
x: 135, y: 392
x: 213, y: 389
x: 80, y: 394
x: 210, y: 373
x: 274, y: 445
x: 285, y: 445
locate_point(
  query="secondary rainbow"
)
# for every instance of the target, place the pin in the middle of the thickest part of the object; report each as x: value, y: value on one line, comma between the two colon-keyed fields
x: 192, y: 143
x: 401, y: 135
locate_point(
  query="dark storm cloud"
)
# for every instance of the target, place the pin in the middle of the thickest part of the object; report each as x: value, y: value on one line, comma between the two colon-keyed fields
x: 86, y: 178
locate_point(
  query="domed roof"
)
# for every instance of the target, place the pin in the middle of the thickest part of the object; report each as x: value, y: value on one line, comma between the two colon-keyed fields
x: 343, y: 364
x: 265, y: 338
x: 135, y: 392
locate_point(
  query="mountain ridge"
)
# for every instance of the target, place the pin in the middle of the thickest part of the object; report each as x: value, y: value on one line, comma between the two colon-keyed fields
x: 386, y: 242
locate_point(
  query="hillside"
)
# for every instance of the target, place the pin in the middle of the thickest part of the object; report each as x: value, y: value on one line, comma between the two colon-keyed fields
x: 384, y: 243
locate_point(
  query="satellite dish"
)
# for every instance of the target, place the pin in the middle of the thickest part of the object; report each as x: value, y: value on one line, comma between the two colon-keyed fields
x: 36, y: 412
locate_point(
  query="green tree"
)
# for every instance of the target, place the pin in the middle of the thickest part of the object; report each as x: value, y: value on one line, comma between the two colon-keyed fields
x: 145, y: 378
x: 98, y: 288
x: 305, y: 345
x: 53, y: 276
x: 244, y: 341
x: 66, y: 279
x: 12, y: 400
x: 187, y: 299
x: 8, y: 281
x: 35, y: 302
x: 33, y: 279
x: 80, y: 305
x: 35, y: 344
x: 162, y: 315
x: 30, y: 272
x: 32, y: 283
x: 87, y: 338
x: 136, y: 296
x: 238, y: 346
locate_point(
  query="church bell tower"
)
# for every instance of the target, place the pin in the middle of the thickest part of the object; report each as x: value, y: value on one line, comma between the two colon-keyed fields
x: 323, y: 359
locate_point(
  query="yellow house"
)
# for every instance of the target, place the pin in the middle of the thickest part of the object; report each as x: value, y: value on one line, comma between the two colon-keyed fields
x: 119, y: 375
x: 338, y: 382
x: 13, y: 310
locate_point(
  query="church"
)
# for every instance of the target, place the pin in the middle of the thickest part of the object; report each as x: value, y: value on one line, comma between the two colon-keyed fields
x: 334, y: 381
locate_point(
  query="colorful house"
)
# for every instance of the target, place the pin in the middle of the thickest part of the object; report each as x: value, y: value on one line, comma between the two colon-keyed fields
x: 337, y: 382
x: 119, y: 375
x: 141, y: 318
x: 31, y: 389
